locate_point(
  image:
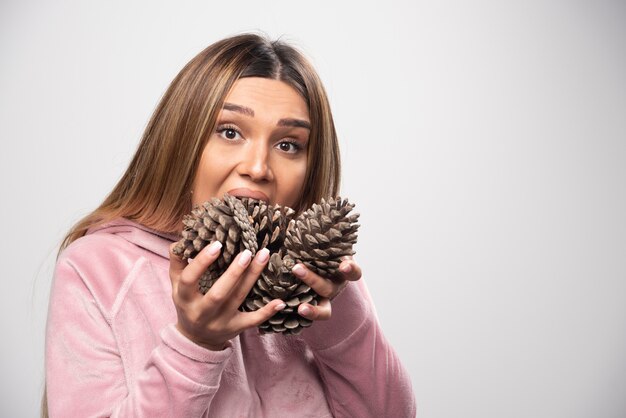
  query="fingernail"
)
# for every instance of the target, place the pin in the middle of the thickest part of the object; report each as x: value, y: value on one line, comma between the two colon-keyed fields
x: 280, y: 306
x: 214, y: 248
x: 245, y: 258
x: 304, y: 310
x: 263, y: 255
x: 298, y: 270
x: 346, y: 268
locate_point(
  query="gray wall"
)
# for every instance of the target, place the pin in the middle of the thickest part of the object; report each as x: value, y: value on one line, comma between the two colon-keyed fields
x: 484, y: 143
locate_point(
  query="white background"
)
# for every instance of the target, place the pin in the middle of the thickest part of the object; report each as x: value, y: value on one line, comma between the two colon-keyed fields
x: 484, y: 143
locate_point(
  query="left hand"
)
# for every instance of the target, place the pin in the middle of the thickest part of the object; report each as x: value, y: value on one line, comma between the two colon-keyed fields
x: 349, y: 271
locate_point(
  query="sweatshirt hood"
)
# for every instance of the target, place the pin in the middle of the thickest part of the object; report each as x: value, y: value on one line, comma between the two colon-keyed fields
x: 152, y: 240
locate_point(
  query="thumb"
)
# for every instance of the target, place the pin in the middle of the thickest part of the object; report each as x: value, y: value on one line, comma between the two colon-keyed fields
x: 256, y: 318
x: 177, y: 264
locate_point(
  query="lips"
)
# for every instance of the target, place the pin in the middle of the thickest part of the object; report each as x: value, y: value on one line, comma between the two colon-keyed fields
x: 254, y: 194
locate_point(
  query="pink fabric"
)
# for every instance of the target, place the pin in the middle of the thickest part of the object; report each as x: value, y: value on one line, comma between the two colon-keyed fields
x: 112, y: 348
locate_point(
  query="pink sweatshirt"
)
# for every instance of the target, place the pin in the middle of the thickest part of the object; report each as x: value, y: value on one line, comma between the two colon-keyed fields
x: 112, y: 348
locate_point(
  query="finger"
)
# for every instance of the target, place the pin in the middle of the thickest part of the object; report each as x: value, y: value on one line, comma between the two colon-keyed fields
x: 321, y: 312
x: 203, y: 259
x: 322, y: 286
x: 177, y: 264
x: 350, y: 270
x: 223, y: 287
x: 251, y: 275
x: 187, y: 286
x: 253, y: 319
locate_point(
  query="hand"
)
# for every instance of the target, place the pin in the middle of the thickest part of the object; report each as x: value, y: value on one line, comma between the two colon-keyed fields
x: 212, y: 319
x: 328, y: 289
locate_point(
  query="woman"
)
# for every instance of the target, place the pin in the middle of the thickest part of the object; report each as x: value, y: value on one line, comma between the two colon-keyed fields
x: 128, y: 332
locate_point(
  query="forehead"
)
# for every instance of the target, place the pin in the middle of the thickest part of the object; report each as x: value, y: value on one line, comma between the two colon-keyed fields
x: 266, y: 95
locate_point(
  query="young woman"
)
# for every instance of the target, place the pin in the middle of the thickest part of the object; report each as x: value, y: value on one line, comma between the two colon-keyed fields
x: 130, y: 335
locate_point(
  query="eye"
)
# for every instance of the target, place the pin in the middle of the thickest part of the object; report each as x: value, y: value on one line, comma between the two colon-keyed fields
x: 228, y: 132
x: 289, y: 147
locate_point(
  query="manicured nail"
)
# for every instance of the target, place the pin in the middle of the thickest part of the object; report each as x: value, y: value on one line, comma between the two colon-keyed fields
x: 346, y: 268
x: 245, y: 258
x: 214, y: 248
x: 263, y: 255
x: 280, y: 306
x: 298, y: 270
x: 304, y: 310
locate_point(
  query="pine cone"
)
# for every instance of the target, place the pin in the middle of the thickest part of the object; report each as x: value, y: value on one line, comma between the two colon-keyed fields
x: 318, y: 238
x: 322, y: 235
x: 224, y: 220
x: 277, y: 281
x: 270, y: 222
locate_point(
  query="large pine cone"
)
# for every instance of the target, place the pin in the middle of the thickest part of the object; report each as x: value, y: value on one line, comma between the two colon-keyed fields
x: 322, y: 235
x: 277, y: 281
x: 270, y: 222
x: 224, y: 220
x: 318, y: 238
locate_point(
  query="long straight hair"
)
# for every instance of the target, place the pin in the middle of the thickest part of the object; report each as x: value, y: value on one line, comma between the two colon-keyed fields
x: 155, y: 188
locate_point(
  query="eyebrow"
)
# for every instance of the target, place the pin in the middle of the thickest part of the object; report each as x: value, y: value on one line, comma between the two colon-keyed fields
x: 297, y: 123
x: 240, y: 109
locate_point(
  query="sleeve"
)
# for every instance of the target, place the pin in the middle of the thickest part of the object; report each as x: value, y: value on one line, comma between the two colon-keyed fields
x: 85, y: 374
x: 362, y: 374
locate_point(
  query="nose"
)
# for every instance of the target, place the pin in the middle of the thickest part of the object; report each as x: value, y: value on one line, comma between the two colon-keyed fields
x: 255, y: 162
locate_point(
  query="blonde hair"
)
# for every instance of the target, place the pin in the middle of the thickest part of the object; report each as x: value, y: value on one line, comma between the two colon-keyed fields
x: 155, y: 188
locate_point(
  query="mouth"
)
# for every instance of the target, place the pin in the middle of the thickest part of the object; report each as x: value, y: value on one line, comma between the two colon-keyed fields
x: 254, y: 194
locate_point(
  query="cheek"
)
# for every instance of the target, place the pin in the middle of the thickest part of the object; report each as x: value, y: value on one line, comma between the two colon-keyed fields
x: 292, y: 182
x: 209, y: 177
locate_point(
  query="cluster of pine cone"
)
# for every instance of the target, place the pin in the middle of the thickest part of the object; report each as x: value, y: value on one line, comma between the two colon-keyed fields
x: 318, y: 238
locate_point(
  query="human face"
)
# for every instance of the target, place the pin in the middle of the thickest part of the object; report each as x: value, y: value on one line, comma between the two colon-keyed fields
x: 259, y: 147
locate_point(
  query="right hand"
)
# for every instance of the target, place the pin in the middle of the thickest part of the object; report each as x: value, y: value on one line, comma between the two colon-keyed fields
x: 212, y: 319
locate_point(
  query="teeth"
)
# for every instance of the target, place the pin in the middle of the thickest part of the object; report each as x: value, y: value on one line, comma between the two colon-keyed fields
x: 248, y: 194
